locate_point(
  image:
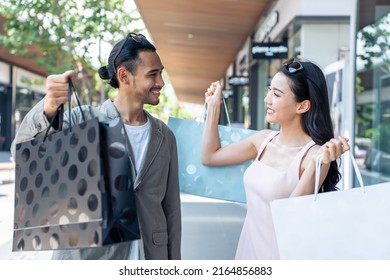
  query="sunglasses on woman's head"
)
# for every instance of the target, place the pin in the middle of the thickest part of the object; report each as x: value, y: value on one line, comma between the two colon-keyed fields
x: 293, y: 66
x: 136, y: 37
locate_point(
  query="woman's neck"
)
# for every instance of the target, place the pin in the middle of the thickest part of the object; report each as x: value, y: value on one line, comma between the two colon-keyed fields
x: 292, y: 137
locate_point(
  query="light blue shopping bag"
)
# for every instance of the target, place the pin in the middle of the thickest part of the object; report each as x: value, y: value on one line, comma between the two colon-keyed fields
x: 225, y: 182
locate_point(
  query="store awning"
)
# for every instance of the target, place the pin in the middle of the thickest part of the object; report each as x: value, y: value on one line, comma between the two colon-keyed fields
x: 198, y: 39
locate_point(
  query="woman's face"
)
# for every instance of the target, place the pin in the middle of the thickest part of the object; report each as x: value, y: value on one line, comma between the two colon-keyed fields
x: 280, y: 101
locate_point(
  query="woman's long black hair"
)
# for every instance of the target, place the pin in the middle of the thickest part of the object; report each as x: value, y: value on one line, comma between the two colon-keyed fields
x: 308, y: 82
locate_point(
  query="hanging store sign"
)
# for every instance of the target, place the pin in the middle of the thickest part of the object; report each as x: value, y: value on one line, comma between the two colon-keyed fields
x: 269, y: 50
x: 267, y: 27
x: 238, y: 80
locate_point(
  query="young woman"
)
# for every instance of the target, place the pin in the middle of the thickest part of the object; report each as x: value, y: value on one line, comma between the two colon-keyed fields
x: 284, y: 164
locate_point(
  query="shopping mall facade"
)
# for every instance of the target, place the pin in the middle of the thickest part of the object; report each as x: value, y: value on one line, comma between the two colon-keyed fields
x: 349, y: 39
x: 343, y: 41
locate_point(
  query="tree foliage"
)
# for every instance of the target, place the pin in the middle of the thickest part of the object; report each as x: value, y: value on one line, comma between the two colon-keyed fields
x: 375, y: 39
x: 67, y: 33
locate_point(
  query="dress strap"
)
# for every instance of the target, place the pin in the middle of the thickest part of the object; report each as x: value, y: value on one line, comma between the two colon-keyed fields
x: 267, y: 139
x: 303, y: 152
x: 305, y: 148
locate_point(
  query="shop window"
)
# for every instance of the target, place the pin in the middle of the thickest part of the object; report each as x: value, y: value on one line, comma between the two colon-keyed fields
x: 373, y: 94
x: 25, y: 100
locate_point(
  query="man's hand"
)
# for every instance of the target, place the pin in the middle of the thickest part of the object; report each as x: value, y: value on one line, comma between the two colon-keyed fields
x: 56, y: 92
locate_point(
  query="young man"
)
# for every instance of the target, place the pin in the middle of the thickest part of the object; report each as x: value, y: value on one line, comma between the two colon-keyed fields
x: 135, y: 69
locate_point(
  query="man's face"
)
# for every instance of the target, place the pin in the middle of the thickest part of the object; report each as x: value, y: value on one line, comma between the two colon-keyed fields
x: 148, y: 82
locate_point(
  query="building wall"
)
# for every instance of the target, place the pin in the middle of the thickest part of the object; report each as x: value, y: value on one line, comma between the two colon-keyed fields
x: 5, y: 71
x: 289, y: 9
x: 325, y: 43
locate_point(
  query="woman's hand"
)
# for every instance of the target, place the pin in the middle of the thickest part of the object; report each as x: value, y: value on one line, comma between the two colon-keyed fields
x: 56, y: 92
x: 213, y: 95
x: 333, y: 149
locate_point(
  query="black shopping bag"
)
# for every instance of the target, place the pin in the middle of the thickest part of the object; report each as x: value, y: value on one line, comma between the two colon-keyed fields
x: 74, y: 189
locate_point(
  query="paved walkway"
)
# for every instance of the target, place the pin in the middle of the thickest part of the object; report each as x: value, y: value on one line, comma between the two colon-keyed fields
x: 7, y: 167
x: 5, y: 156
x: 211, y: 228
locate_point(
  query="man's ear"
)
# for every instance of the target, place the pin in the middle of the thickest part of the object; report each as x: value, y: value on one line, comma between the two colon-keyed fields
x: 304, y: 106
x: 123, y: 75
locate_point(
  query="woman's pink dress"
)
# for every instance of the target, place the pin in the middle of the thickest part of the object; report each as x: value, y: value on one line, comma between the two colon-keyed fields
x: 264, y: 184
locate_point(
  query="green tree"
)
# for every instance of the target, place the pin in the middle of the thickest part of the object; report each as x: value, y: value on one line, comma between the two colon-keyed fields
x: 375, y: 39
x: 67, y: 33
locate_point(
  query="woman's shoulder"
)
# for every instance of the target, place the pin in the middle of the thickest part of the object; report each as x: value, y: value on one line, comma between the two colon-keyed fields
x: 259, y: 137
x: 312, y: 150
x: 311, y: 153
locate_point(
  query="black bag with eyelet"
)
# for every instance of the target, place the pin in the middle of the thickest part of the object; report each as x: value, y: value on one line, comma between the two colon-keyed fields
x: 74, y: 187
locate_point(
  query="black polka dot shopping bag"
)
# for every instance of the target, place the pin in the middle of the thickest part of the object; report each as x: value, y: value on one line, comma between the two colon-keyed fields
x: 74, y: 187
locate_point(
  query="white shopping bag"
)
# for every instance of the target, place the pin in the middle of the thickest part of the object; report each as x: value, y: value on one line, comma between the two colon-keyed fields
x: 350, y: 224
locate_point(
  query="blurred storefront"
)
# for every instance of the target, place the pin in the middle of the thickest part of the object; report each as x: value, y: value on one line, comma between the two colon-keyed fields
x: 20, y: 90
x: 22, y: 83
x: 314, y: 31
x: 372, y: 93
x: 349, y: 39
x: 351, y: 44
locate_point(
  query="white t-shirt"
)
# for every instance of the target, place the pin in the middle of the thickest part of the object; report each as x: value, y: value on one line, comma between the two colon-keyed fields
x: 138, y: 138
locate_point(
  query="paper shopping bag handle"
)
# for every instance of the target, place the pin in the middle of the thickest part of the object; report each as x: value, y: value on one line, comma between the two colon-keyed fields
x: 318, y: 169
x: 60, y: 109
x: 72, y: 90
x: 204, y: 111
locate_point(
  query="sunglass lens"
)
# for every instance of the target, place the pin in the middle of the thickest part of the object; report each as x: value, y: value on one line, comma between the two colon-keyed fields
x: 135, y: 37
x: 294, y: 66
